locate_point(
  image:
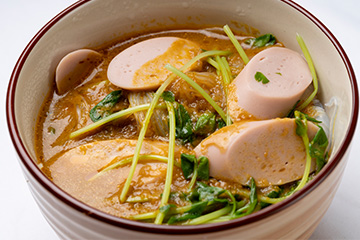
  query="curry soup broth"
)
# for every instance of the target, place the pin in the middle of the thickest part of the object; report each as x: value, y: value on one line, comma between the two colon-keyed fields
x: 63, y: 159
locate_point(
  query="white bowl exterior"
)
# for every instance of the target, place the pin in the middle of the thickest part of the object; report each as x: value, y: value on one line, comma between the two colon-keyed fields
x: 99, y: 21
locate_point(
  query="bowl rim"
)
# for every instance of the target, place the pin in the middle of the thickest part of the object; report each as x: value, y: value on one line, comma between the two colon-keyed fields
x: 29, y: 165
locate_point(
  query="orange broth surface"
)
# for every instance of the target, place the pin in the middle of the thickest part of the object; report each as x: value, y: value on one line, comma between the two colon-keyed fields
x: 70, y: 163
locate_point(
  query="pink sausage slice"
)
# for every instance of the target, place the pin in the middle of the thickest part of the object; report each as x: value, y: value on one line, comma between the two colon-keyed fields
x: 267, y: 150
x: 74, y: 68
x: 141, y: 66
x: 288, y: 75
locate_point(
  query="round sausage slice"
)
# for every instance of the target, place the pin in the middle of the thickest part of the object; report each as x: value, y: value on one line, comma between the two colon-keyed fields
x: 267, y: 150
x: 141, y: 66
x: 74, y: 68
x: 287, y: 76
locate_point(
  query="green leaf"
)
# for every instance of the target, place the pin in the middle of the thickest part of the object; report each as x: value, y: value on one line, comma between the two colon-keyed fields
x: 168, y: 96
x: 188, y: 163
x: 250, y: 207
x: 311, y: 119
x: 205, y: 124
x: 193, y: 196
x: 220, y: 123
x: 196, y: 210
x: 207, y: 193
x: 253, y: 195
x: 104, y: 107
x: 203, y: 168
x: 195, y: 168
x: 274, y: 193
x: 261, y: 78
x: 292, y: 110
x: 262, y: 41
x: 301, y: 129
x: 184, y: 130
x: 317, y: 148
x: 165, y: 209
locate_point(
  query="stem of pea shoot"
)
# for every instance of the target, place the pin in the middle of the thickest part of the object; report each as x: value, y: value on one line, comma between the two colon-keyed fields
x: 129, y: 159
x: 236, y: 43
x: 171, y: 156
x: 108, y: 119
x: 199, y: 89
x: 226, y: 75
x: 308, y: 58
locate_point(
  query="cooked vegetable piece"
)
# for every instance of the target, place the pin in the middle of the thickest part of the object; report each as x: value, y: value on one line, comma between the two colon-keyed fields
x: 198, y: 88
x: 188, y: 163
x: 159, y: 123
x: 105, y: 120
x: 274, y: 193
x: 208, y: 193
x: 184, y: 130
x: 171, y: 159
x: 236, y: 43
x: 302, y: 130
x: 262, y: 41
x: 261, y: 78
x: 220, y: 123
x: 250, y: 207
x: 166, y: 209
x: 227, y: 78
x: 195, y: 211
x: 206, y: 124
x: 197, y: 169
x: 168, y: 96
x: 105, y: 106
x: 123, y: 161
x: 318, y: 148
x: 312, y: 70
x: 203, y: 168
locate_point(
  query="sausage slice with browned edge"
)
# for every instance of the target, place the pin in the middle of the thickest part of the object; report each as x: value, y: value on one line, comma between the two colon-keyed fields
x: 74, y: 68
x: 267, y: 150
x: 142, y: 66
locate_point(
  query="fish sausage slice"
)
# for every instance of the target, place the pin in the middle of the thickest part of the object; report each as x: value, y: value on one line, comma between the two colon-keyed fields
x: 141, y: 66
x: 267, y: 150
x: 74, y: 68
x: 73, y: 169
x: 288, y: 75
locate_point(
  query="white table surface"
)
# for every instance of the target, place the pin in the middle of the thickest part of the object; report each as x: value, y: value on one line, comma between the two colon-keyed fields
x: 20, y: 217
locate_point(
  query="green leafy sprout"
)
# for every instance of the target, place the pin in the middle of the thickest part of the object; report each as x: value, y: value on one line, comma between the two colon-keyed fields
x: 262, y: 41
x: 105, y: 106
x: 260, y: 77
x: 236, y: 43
x: 170, y: 165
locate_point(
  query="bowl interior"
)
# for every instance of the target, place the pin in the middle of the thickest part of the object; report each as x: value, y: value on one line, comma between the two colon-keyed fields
x: 94, y: 23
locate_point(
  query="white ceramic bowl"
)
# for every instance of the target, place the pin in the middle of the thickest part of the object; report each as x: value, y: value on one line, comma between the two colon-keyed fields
x: 91, y: 23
